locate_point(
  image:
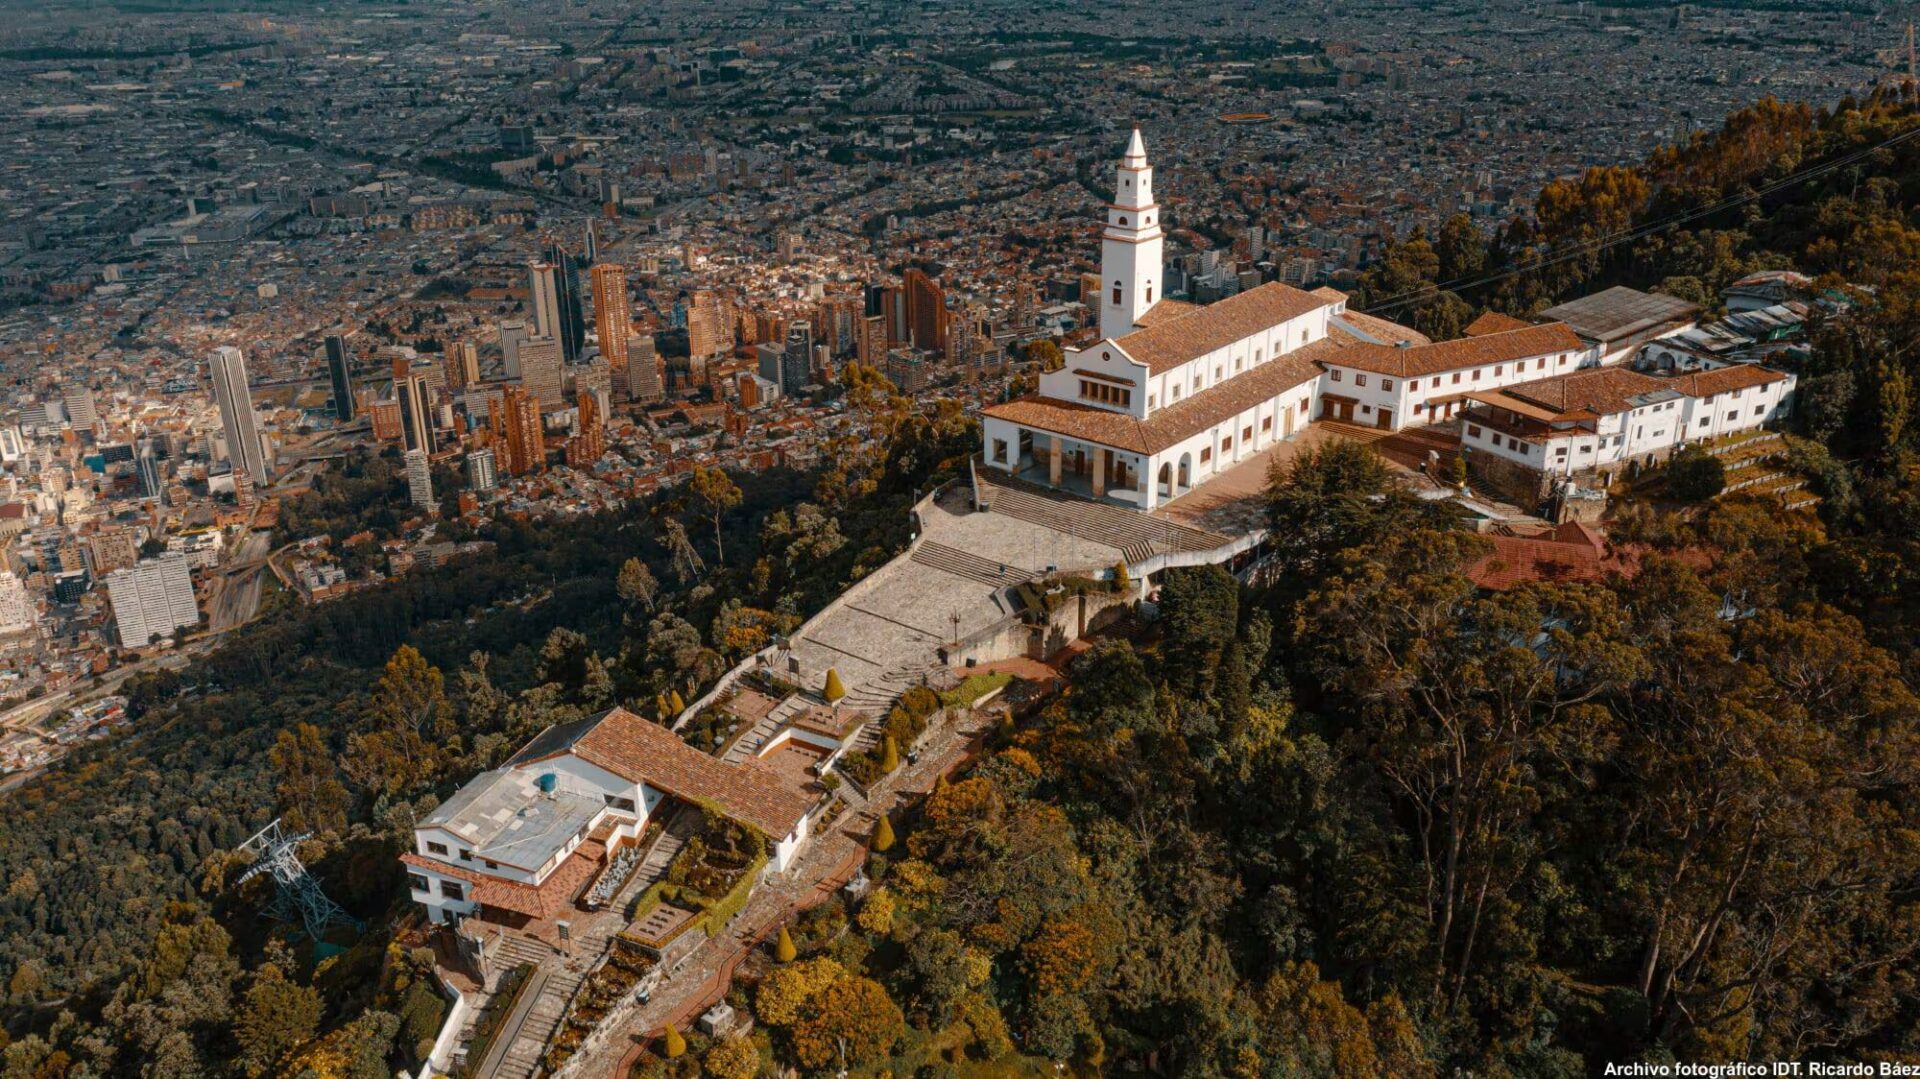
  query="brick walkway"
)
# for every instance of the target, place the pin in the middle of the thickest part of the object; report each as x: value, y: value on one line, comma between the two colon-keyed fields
x: 829, y: 861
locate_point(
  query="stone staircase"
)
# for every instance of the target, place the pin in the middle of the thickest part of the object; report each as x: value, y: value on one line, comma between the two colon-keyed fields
x: 877, y: 695
x: 1139, y: 536
x: 748, y: 744
x: 522, y: 1059
x: 679, y: 827
x: 971, y: 566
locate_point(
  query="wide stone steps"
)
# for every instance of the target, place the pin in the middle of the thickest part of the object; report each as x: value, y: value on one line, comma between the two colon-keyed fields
x: 1139, y: 536
x: 971, y: 566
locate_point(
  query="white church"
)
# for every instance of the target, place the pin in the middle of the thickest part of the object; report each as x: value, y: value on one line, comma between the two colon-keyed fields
x: 1174, y: 394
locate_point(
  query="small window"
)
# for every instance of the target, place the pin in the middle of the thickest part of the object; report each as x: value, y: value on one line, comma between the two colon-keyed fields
x: 1476, y: 374
x: 1116, y: 295
x: 1733, y: 415
x: 1206, y: 455
x: 1226, y: 444
x: 466, y: 855
x: 1334, y: 374
x: 452, y: 891
x: 1266, y: 423
x: 1540, y: 363
x: 436, y: 848
x: 1456, y: 378
x: 1497, y: 368
x: 1473, y: 431
x: 1149, y: 295
x: 419, y: 883
x: 1386, y: 384
x: 1360, y: 380
x: 1123, y: 221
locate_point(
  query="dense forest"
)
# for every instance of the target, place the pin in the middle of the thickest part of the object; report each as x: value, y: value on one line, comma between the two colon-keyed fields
x: 1361, y: 819
x: 123, y: 949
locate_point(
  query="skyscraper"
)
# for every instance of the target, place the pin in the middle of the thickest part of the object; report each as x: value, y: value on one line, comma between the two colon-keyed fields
x: 927, y: 317
x: 152, y: 483
x: 463, y: 365
x: 17, y: 614
x: 512, y: 336
x: 520, y: 422
x: 237, y: 418
x: 796, y: 361
x: 611, y: 317
x: 589, y: 441
x: 481, y: 474
x: 543, y: 299
x: 154, y: 598
x: 642, y: 380
x: 541, y: 372
x: 339, y: 370
x: 419, y: 478
x: 416, y: 422
x: 570, y: 302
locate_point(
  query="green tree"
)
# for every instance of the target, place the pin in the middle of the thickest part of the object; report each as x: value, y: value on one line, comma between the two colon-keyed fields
x: 276, y: 1016
x: 1694, y: 475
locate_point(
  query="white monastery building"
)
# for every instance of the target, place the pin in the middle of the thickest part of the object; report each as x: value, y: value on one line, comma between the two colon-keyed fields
x: 1173, y: 394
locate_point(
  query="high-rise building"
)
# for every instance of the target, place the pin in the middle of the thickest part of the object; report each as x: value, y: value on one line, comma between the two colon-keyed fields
x: 927, y: 315
x: 796, y: 360
x: 416, y: 418
x: 152, y: 480
x: 78, y: 398
x: 17, y: 614
x: 543, y: 299
x: 152, y: 599
x: 481, y: 473
x: 709, y: 328
x: 572, y: 323
x: 589, y: 441
x: 612, y: 319
x: 237, y: 419
x: 642, y: 380
x: 462, y: 365
x: 541, y: 372
x: 520, y: 424
x: 512, y: 336
x: 340, y: 372
x: 871, y: 348
x: 419, y: 478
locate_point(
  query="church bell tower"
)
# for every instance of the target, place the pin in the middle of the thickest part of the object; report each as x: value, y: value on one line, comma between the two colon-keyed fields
x: 1130, y: 246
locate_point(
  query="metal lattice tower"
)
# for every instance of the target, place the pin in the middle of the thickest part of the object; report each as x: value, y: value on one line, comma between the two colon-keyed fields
x: 296, y: 895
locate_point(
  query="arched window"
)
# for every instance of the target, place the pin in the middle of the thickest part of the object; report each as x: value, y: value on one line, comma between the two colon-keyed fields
x: 1149, y: 293
x: 1116, y: 295
x: 1123, y: 221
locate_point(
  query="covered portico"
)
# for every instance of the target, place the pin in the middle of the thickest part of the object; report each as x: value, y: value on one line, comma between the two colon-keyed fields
x: 1077, y: 464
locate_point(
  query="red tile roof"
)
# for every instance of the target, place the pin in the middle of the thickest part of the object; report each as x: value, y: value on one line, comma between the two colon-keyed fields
x: 1175, y: 423
x: 1493, y: 322
x: 641, y: 750
x: 1165, y: 344
x: 1492, y: 348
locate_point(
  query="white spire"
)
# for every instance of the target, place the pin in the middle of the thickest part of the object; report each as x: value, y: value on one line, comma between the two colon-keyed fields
x: 1136, y: 154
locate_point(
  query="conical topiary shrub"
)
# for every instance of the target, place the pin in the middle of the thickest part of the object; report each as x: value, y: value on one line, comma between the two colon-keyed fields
x: 783, y: 949
x: 835, y: 690
x: 889, y: 755
x: 883, y: 836
x: 676, y: 1046
x: 678, y: 704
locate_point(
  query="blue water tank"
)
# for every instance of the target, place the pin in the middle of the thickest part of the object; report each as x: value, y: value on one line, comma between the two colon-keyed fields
x: 546, y: 782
